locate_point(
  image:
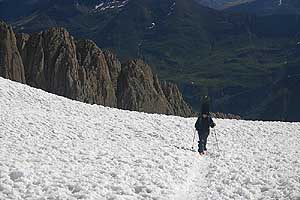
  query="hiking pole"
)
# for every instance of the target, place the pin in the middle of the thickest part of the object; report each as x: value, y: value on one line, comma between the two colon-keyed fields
x: 194, y: 139
x: 216, y: 140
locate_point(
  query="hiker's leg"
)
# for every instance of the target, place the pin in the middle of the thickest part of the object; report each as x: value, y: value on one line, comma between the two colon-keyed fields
x: 200, y: 142
x: 205, y: 141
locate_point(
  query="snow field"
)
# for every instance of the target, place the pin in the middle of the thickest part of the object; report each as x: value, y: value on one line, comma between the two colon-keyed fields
x: 55, y: 148
x: 258, y: 160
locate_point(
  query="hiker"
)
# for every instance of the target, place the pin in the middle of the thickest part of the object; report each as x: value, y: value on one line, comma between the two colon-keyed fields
x: 203, y: 124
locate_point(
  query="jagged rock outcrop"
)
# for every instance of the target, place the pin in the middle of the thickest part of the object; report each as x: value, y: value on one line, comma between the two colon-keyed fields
x: 139, y: 89
x: 175, y: 99
x: 50, y: 62
x: 22, y: 39
x: 114, y: 66
x: 11, y: 65
x: 57, y: 63
x: 94, y: 75
x: 53, y: 61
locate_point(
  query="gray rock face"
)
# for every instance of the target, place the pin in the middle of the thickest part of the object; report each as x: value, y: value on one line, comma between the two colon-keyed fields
x: 139, y: 89
x: 176, y: 102
x: 21, y: 41
x: 94, y: 75
x: 11, y: 65
x: 57, y: 63
x: 50, y: 62
x: 114, y: 66
x: 53, y: 61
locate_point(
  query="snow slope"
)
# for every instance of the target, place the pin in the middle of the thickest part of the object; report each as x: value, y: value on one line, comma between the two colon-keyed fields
x: 55, y: 148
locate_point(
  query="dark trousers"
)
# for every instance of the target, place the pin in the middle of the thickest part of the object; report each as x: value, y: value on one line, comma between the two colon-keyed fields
x: 202, y: 140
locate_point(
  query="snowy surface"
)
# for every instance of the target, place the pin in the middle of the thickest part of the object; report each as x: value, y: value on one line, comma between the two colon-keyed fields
x: 99, y: 6
x: 172, y: 8
x: 152, y: 25
x: 55, y: 148
x: 105, y: 5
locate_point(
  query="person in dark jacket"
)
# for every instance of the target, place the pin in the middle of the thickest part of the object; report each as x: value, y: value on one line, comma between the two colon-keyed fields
x: 203, y: 124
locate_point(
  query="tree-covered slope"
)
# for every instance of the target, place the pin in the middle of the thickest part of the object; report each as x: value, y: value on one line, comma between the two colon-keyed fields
x: 231, y: 55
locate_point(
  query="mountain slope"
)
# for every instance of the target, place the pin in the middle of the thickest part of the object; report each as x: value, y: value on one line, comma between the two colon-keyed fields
x: 52, y: 147
x: 282, y: 103
x: 223, y: 54
x: 53, y: 61
x: 269, y: 7
x: 11, y: 64
x: 12, y: 10
x: 222, y: 4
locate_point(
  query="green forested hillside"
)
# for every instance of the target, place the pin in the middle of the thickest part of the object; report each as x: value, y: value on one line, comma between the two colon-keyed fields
x: 233, y: 55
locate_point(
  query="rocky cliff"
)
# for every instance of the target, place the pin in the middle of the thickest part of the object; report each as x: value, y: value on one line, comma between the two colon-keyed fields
x: 53, y: 61
x: 11, y: 65
x: 175, y: 99
x: 50, y: 62
x: 94, y: 75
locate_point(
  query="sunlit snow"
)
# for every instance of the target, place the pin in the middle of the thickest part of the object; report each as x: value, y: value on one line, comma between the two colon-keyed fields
x: 55, y: 148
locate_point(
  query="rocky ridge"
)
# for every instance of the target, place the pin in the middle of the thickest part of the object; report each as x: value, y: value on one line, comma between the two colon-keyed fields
x: 55, y: 62
x: 11, y: 65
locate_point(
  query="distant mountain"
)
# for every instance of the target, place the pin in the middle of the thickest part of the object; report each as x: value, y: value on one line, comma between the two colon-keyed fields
x: 282, y: 103
x: 222, y: 4
x: 230, y: 55
x: 168, y: 34
x: 269, y: 7
x: 53, y: 61
x: 12, y: 10
x: 102, y: 5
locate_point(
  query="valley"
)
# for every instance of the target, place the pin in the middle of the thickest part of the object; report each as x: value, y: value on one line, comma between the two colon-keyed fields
x: 232, y: 55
